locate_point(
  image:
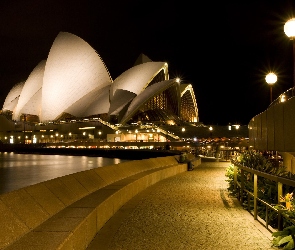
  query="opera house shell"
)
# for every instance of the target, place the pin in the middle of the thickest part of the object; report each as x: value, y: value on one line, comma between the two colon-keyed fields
x: 74, y: 83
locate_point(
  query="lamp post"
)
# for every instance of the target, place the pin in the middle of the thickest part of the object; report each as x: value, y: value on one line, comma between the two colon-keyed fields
x: 289, y: 30
x: 271, y: 79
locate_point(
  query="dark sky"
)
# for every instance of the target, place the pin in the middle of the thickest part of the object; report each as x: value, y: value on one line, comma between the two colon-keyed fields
x: 223, y: 49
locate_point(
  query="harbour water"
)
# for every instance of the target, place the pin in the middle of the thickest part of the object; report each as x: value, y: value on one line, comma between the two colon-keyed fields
x: 21, y: 170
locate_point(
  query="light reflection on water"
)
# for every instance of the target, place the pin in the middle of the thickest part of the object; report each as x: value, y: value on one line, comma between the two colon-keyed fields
x: 21, y: 170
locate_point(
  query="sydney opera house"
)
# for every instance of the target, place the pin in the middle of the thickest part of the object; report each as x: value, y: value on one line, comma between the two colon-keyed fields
x: 71, y: 95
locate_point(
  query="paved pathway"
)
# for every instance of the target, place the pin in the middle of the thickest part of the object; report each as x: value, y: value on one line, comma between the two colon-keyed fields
x: 190, y: 211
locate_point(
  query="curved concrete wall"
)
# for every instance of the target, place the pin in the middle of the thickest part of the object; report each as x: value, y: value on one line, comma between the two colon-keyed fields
x: 67, y: 212
x: 274, y: 130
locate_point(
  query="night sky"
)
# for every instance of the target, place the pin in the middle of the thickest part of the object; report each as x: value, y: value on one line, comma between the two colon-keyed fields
x: 223, y: 49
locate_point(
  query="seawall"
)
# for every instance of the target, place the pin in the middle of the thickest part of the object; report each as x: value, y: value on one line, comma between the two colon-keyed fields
x: 67, y: 212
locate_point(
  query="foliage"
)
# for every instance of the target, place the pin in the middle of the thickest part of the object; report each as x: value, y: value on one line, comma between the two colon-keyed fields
x: 284, y: 239
x: 229, y: 173
x: 183, y: 157
x: 255, y: 160
x: 267, y: 189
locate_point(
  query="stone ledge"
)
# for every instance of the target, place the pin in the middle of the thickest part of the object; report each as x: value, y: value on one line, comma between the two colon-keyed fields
x: 58, y: 221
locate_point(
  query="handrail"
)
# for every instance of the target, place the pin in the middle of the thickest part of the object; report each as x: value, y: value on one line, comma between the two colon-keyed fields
x: 278, y: 179
x: 275, y: 178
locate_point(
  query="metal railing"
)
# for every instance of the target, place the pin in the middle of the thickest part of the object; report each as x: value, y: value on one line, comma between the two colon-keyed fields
x: 284, y: 96
x: 239, y: 186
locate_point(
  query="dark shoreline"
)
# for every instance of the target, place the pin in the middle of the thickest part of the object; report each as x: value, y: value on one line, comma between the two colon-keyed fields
x: 126, y: 154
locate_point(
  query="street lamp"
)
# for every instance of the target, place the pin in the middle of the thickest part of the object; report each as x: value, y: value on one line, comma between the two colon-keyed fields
x: 271, y: 79
x: 289, y: 30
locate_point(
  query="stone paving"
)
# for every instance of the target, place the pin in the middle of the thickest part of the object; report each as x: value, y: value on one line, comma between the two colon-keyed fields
x: 192, y: 210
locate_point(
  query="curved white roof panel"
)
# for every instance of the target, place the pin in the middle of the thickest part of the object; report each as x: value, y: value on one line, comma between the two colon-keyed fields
x: 149, y: 92
x: 32, y: 85
x: 137, y: 78
x: 34, y: 105
x: 95, y: 102
x: 73, y: 69
x: 13, y: 96
x: 120, y: 100
x: 101, y: 104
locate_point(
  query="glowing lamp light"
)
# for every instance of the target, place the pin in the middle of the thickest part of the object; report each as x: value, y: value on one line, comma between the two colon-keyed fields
x: 271, y: 78
x: 237, y: 126
x: 289, y: 28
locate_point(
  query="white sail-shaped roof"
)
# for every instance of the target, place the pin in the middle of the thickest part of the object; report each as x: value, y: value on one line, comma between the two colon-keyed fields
x: 120, y: 100
x: 73, y: 70
x: 13, y: 96
x: 34, y: 105
x: 32, y: 85
x: 95, y: 102
x: 75, y: 81
x: 137, y: 78
x: 101, y: 104
x: 148, y: 93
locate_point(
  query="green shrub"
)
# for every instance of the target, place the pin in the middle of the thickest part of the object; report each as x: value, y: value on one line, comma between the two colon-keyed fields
x: 266, y: 189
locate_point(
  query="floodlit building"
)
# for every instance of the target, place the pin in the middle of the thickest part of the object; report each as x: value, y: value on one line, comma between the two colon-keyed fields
x: 71, y: 97
x: 74, y: 83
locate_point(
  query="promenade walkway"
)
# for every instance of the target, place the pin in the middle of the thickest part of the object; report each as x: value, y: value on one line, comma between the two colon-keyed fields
x: 190, y: 211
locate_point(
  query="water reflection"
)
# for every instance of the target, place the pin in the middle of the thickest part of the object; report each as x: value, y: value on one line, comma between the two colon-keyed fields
x: 20, y: 170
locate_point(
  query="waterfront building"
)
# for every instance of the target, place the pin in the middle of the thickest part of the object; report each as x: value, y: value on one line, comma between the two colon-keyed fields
x: 73, y: 86
x: 71, y: 100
